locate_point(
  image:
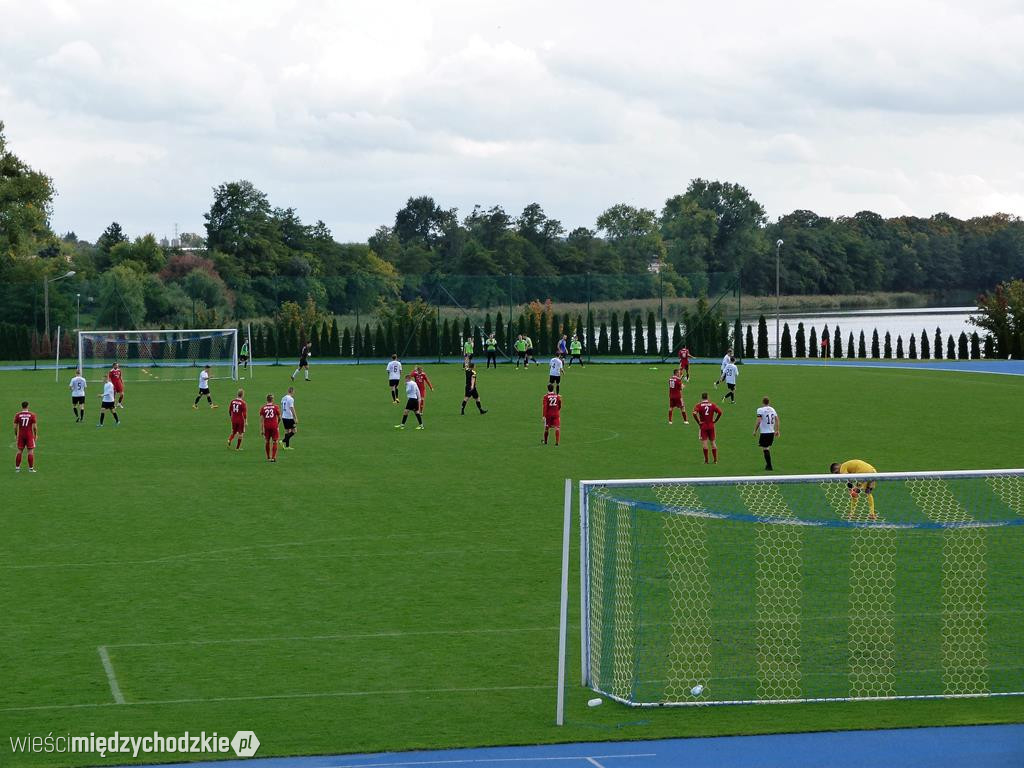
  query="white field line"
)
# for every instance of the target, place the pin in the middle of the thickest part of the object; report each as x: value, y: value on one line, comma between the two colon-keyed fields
x: 354, y: 636
x: 108, y: 667
x: 468, y: 761
x: 283, y: 696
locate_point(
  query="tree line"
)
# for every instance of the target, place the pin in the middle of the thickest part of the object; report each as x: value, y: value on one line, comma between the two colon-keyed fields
x: 255, y: 256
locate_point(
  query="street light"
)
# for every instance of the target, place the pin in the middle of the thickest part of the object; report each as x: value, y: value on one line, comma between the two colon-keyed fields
x: 46, y: 297
x: 78, y: 311
x: 778, y: 254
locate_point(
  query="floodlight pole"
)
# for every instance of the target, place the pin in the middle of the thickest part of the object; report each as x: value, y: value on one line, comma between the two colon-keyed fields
x: 778, y: 255
x: 46, y: 297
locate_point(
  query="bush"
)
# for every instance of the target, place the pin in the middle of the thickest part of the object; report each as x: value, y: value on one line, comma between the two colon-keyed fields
x: 801, y: 341
x: 975, y: 346
x: 627, y: 334
x: 938, y: 344
x: 913, y: 348
x: 786, y: 343
x: 925, y: 346
x: 899, y: 347
x: 748, y: 345
x: 875, y: 354
x: 812, y: 343
x: 887, y: 349
x: 762, y: 337
x: 862, y: 349
x: 962, y: 351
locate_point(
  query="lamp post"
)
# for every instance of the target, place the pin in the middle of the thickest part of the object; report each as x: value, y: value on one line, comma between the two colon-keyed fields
x: 78, y: 311
x: 46, y: 297
x: 778, y: 254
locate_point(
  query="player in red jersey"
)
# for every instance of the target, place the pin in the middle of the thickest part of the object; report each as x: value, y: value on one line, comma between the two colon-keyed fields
x: 239, y: 416
x: 551, y: 409
x: 707, y: 415
x: 675, y: 396
x: 423, y: 381
x: 26, y: 435
x: 114, y: 374
x: 271, y: 416
x: 684, y: 365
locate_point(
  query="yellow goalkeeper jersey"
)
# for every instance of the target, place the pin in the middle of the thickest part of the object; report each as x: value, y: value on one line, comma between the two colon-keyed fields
x: 856, y: 467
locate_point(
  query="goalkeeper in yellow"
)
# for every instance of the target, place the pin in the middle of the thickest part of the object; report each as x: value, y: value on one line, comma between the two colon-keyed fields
x: 857, y: 467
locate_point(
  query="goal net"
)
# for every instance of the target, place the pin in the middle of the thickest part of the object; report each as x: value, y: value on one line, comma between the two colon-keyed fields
x: 745, y: 590
x: 155, y: 355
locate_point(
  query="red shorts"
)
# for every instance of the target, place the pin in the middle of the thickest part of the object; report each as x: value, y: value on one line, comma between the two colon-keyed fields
x: 118, y: 387
x: 553, y: 421
x: 270, y: 433
x: 675, y: 402
x: 707, y: 431
x: 684, y: 364
x: 26, y: 441
x: 237, y: 426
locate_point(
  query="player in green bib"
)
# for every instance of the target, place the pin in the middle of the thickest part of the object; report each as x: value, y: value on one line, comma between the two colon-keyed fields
x: 243, y: 354
x: 575, y: 351
x: 491, y: 348
x: 467, y: 351
x: 520, y: 347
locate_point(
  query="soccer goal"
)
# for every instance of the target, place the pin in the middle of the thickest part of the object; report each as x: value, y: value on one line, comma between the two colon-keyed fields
x: 153, y: 355
x: 737, y: 590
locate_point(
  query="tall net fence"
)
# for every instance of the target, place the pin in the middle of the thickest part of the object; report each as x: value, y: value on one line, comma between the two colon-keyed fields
x: 748, y: 590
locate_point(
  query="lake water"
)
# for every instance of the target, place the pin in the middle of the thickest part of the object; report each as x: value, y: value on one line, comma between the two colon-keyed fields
x: 898, y: 322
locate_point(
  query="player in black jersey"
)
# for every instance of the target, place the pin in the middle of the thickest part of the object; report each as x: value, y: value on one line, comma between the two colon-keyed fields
x: 471, y: 390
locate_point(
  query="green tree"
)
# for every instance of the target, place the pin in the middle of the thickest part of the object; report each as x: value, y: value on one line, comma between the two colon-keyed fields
x: 875, y: 352
x: 937, y: 348
x: 887, y: 349
x: 787, y: 342
x: 812, y: 343
x: 899, y: 347
x: 121, y: 299
x: 862, y: 348
x: 748, y: 349
x: 26, y: 199
x: 1001, y: 313
x: 801, y: 341
x: 912, y: 353
x: 627, y: 334
x: 633, y: 237
x: 975, y: 346
x: 962, y: 351
x: 925, y: 346
x: 241, y: 226
x: 602, y: 339
x: 762, y: 337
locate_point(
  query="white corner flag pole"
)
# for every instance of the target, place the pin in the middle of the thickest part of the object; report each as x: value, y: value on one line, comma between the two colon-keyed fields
x: 563, y: 621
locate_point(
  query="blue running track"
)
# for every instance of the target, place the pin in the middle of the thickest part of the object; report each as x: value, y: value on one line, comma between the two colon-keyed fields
x: 976, y: 746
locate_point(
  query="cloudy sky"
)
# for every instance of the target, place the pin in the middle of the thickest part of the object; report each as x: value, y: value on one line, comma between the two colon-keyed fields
x: 343, y: 110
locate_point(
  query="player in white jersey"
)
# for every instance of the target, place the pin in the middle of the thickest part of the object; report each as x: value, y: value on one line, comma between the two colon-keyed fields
x: 107, y: 403
x: 725, y: 361
x: 77, y: 388
x: 555, y: 372
x: 412, y: 403
x: 204, y: 388
x: 730, y: 373
x: 767, y: 429
x: 394, y: 377
x: 289, y: 418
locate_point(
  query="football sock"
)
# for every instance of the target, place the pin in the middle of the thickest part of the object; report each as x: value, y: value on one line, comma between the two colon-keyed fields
x: 705, y: 455
x: 545, y: 435
x: 17, y: 460
x: 558, y: 435
x: 209, y: 400
x: 75, y: 409
x: 463, y: 407
x: 418, y: 417
x: 767, y: 458
x: 406, y: 416
x: 196, y: 401
x: 669, y: 415
x: 714, y: 454
x: 479, y: 407
x: 267, y: 446
x: 31, y: 460
x: 287, y: 438
x: 238, y: 445
x: 117, y: 419
x: 871, y: 496
x: 102, y: 414
x: 296, y: 372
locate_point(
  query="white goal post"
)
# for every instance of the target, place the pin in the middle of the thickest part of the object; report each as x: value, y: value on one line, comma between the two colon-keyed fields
x: 801, y: 588
x: 158, y: 354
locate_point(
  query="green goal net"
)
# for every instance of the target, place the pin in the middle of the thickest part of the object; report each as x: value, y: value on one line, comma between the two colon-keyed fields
x: 745, y: 590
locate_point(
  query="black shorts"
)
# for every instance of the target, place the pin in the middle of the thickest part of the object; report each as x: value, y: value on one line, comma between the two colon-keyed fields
x: 288, y: 423
x: 732, y: 387
x: 412, y: 404
x: 522, y: 354
x: 393, y: 383
x: 492, y: 354
x: 472, y: 393
x: 303, y: 363
x: 108, y: 406
x: 203, y: 391
x: 554, y: 379
x: 529, y: 352
x: 243, y: 358
x: 765, y: 439
x: 78, y: 399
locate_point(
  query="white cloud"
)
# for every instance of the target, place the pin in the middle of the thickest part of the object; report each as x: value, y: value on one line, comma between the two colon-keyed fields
x: 344, y: 110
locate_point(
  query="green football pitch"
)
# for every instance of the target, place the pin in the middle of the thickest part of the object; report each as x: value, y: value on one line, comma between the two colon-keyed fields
x: 380, y: 589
